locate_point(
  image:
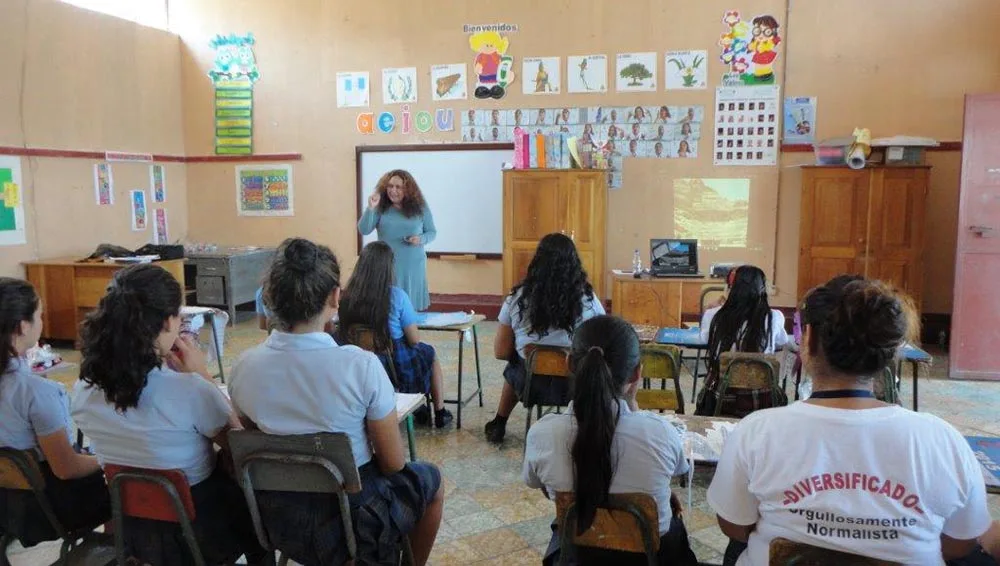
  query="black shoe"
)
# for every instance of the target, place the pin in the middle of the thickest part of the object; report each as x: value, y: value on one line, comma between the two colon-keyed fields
x: 496, y: 429
x: 497, y: 92
x: 442, y: 418
x: 422, y: 416
x: 482, y: 92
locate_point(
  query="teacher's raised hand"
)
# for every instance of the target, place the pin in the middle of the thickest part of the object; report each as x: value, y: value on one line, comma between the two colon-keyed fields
x: 374, y: 199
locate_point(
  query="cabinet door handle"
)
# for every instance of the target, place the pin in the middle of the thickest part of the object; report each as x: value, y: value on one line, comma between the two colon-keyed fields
x: 982, y: 231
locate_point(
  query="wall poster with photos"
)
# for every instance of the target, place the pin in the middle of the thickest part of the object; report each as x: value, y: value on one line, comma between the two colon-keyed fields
x: 747, y: 125
x: 620, y: 131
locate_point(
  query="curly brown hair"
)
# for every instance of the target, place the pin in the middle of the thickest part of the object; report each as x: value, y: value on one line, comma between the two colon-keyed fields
x: 413, y: 200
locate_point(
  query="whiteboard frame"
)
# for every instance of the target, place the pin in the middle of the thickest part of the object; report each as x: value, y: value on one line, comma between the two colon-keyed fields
x: 362, y: 149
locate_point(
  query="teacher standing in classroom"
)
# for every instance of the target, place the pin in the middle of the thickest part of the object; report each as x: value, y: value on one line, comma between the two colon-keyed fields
x: 397, y: 210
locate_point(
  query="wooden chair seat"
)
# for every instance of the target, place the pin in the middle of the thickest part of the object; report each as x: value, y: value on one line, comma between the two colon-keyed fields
x: 660, y: 362
x: 783, y: 552
x: 629, y: 522
x: 542, y: 361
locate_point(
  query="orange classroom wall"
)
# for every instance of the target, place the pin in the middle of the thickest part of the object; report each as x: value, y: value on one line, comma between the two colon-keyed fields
x: 895, y: 66
x: 94, y: 82
x: 78, y: 80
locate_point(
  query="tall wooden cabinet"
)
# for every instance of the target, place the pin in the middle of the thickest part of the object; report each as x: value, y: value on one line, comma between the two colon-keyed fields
x: 537, y: 202
x: 868, y: 221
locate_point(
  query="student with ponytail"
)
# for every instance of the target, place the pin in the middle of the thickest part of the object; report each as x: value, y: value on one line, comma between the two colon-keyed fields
x: 603, y: 444
x: 34, y: 417
x: 843, y: 470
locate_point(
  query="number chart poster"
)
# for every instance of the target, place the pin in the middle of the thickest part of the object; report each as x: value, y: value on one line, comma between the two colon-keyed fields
x: 11, y: 203
x: 264, y: 190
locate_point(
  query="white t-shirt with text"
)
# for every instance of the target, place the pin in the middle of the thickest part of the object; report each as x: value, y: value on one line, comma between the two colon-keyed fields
x: 883, y: 483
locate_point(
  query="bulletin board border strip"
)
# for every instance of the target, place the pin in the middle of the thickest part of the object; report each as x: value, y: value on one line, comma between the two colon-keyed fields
x: 100, y: 155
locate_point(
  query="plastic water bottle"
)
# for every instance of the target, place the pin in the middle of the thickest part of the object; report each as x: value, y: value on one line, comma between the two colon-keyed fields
x: 636, y: 264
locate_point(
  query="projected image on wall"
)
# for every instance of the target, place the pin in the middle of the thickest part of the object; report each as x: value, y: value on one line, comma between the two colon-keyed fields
x: 713, y: 211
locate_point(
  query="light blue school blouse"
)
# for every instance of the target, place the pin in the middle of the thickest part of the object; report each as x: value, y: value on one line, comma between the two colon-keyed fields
x: 411, y: 261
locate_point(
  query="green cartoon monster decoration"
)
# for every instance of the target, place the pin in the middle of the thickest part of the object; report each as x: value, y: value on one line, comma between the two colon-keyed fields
x: 234, y: 58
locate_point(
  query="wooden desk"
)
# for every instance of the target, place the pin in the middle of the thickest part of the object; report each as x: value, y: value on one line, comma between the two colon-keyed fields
x: 659, y: 301
x: 461, y: 329
x: 229, y: 277
x: 70, y: 289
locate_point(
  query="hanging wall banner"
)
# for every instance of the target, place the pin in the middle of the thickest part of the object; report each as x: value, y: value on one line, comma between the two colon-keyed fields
x: 11, y: 202
x: 233, y: 73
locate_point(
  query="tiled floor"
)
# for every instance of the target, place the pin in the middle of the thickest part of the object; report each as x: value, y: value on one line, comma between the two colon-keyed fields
x: 490, y: 517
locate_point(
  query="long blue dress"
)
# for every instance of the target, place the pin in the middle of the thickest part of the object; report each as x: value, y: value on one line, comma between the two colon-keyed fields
x: 411, y: 261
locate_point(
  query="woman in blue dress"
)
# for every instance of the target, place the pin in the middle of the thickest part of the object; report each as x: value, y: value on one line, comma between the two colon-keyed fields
x: 398, y: 211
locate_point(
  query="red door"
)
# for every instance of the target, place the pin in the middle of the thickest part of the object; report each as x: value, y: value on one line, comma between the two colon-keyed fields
x: 975, y: 323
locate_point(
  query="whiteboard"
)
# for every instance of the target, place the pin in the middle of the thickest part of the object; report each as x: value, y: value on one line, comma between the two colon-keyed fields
x: 463, y: 188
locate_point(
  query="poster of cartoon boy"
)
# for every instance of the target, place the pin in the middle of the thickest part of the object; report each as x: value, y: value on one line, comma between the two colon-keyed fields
x: 493, y: 67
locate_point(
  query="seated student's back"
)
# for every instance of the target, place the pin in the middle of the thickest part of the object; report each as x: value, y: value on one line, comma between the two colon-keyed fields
x: 300, y: 381
x: 843, y: 470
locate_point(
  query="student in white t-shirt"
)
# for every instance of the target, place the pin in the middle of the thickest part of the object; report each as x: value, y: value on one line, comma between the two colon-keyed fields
x: 843, y: 470
x: 34, y: 417
x: 300, y: 381
x: 137, y: 411
x: 545, y: 308
x: 573, y: 452
x: 744, y: 323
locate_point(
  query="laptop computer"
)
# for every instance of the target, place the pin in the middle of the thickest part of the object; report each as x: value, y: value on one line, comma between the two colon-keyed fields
x: 673, y: 258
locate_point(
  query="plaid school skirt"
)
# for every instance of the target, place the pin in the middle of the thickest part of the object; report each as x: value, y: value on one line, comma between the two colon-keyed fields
x: 414, y: 366
x: 307, y: 527
x: 545, y: 391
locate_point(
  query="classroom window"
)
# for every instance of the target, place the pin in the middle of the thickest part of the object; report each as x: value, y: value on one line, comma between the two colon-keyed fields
x: 152, y: 13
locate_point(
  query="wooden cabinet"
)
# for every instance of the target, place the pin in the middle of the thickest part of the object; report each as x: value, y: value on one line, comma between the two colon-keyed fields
x: 537, y: 202
x: 868, y: 221
x: 70, y: 289
x: 663, y: 302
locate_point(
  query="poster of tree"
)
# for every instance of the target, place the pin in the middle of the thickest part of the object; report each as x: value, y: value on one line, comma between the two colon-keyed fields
x: 635, y: 72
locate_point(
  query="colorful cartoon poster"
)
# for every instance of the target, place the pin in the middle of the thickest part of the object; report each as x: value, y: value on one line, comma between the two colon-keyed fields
x: 234, y: 59
x: 449, y: 82
x: 264, y: 190
x: 158, y: 183
x: 12, y: 232
x: 686, y: 70
x: 160, y: 234
x: 234, y: 71
x: 399, y: 85
x: 800, y: 120
x: 353, y: 89
x: 747, y: 125
x: 494, y: 69
x: 715, y: 211
x: 104, y: 186
x: 140, y: 216
x: 587, y: 74
x: 749, y: 49
x: 635, y: 72
x: 540, y: 75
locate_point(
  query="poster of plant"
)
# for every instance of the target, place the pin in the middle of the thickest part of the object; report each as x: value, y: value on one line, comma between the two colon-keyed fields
x: 399, y: 86
x: 541, y: 75
x: 587, y: 74
x: 635, y: 72
x: 686, y: 70
x: 264, y: 190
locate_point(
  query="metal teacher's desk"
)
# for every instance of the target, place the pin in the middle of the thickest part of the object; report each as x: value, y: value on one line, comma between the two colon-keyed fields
x: 229, y: 276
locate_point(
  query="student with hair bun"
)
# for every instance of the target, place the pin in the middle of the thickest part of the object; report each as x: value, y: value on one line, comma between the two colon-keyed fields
x: 843, y: 470
x: 146, y: 399
x: 603, y: 444
x: 300, y: 381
